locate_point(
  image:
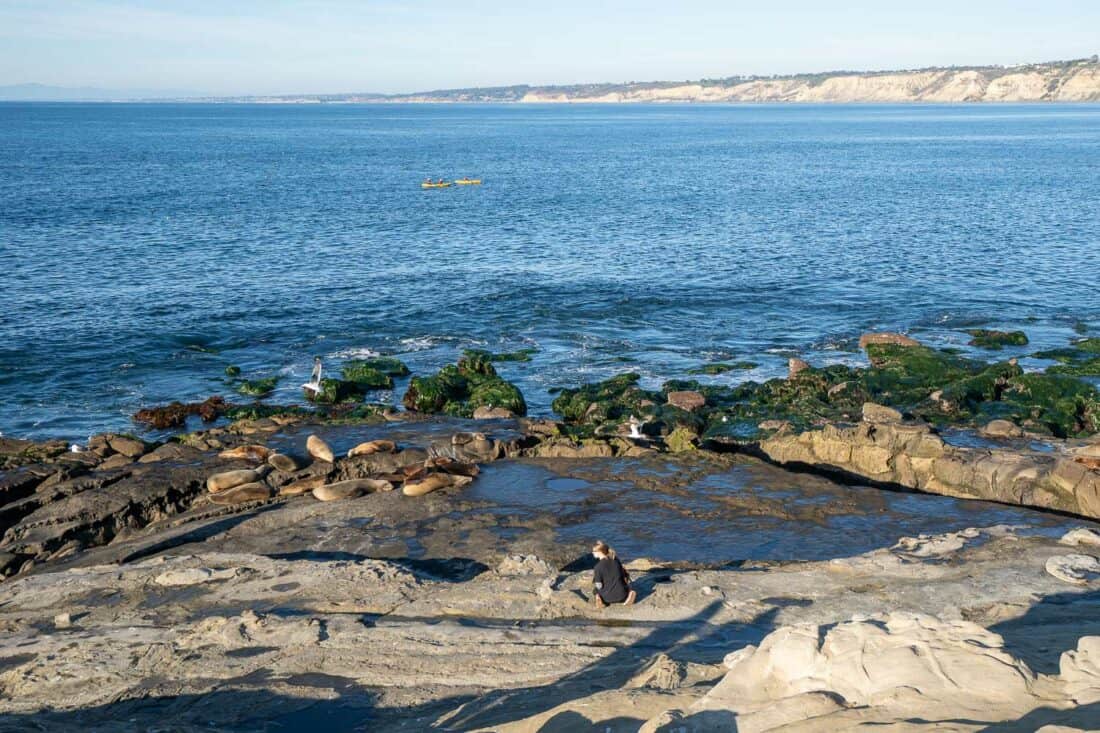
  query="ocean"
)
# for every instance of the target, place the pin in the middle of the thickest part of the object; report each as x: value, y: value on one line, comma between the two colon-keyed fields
x: 147, y: 247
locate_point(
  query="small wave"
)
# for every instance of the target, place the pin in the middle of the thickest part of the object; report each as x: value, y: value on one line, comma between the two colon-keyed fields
x: 363, y: 352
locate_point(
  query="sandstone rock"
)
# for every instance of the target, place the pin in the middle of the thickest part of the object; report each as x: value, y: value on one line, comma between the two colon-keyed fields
x: 524, y: 565
x: 254, y: 453
x: 1076, y: 569
x: 795, y: 367
x: 485, y: 412
x: 1081, y: 536
x: 303, y: 486
x: 687, y: 400
x: 193, y: 576
x: 350, y: 489
x: 1001, y: 429
x: 118, y: 460
x: 126, y: 446
x: 886, y: 337
x: 255, y: 491
x: 774, y: 425
x: 319, y: 449
x: 372, y: 446
x: 229, y: 479
x: 880, y: 413
x: 281, y: 462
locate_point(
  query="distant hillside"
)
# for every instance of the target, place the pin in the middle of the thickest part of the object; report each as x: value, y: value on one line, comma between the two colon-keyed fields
x: 1077, y: 80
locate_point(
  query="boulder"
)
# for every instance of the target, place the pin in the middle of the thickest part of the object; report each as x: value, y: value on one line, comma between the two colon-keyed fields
x: 687, y: 400
x: 319, y: 449
x: 796, y: 367
x: 230, y: 479
x: 880, y: 413
x: 126, y: 446
x: 886, y: 337
x: 1001, y: 429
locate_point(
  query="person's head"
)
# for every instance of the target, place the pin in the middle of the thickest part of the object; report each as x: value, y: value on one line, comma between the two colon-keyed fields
x: 600, y: 550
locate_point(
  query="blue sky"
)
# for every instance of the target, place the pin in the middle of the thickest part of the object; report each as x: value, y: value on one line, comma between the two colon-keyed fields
x: 264, y: 47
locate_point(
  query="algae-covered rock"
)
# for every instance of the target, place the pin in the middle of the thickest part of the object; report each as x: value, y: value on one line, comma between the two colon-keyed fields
x: 1091, y: 345
x: 366, y: 376
x: 388, y: 365
x: 612, y: 399
x: 987, y: 339
x: 1085, y: 368
x: 257, y: 387
x: 232, y: 371
x: 334, y: 391
x: 723, y: 367
x: 682, y: 439
x: 460, y: 389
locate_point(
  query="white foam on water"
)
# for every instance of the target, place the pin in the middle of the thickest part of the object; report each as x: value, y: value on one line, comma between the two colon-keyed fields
x: 354, y: 353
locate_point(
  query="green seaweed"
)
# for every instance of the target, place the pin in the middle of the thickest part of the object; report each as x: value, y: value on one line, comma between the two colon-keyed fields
x: 1084, y: 368
x: 388, y: 365
x: 459, y: 389
x: 996, y: 340
x: 723, y: 367
x: 1090, y: 345
x: 232, y: 371
x: 257, y: 387
x: 365, y: 375
x: 334, y: 391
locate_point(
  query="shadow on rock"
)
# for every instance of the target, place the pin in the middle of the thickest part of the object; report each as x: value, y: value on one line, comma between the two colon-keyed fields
x: 1050, y: 627
x: 447, y: 569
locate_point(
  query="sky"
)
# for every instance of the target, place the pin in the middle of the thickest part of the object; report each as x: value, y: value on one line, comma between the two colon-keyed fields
x: 391, y: 46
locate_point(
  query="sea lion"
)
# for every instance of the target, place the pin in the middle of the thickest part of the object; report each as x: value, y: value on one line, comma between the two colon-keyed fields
x: 229, y: 479
x: 372, y: 446
x: 254, y: 453
x: 303, y: 486
x: 319, y: 449
x: 240, y: 494
x: 350, y: 489
x: 282, y: 462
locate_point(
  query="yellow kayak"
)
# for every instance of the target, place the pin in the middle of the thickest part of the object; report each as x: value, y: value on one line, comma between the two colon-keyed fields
x: 434, y: 185
x: 468, y: 181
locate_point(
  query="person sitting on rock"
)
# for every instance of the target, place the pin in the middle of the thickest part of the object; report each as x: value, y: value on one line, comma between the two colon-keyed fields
x: 610, y: 578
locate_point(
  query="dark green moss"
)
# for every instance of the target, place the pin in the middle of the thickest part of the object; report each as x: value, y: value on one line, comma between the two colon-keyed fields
x: 258, y: 410
x: 367, y: 376
x: 334, y: 391
x: 611, y: 399
x: 459, y: 389
x: 987, y: 339
x: 258, y: 387
x: 388, y: 365
x: 1084, y: 368
x: 1091, y: 345
x: 723, y: 367
x: 477, y: 362
x: 519, y: 355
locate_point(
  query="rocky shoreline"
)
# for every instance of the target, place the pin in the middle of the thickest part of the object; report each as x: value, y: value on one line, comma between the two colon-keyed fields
x: 300, y: 565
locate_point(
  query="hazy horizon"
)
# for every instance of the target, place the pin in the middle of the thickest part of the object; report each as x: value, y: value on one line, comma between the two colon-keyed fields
x: 332, y: 47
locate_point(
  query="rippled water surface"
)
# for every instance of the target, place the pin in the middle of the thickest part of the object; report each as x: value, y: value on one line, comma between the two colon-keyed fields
x: 145, y: 247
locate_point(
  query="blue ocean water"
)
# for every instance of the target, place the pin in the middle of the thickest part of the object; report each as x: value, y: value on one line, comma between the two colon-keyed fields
x: 146, y: 247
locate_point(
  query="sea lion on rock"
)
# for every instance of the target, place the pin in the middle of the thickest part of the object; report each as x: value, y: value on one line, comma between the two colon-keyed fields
x: 280, y: 462
x: 451, y: 466
x: 372, y: 446
x: 240, y: 494
x: 350, y: 489
x: 319, y: 449
x: 303, y: 486
x: 230, y: 479
x: 433, y: 482
x: 255, y: 453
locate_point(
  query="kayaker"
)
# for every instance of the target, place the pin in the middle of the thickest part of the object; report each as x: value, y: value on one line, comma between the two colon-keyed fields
x: 610, y: 578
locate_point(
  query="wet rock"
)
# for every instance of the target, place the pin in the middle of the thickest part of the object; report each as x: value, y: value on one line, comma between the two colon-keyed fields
x: 336, y: 391
x: 283, y: 463
x: 372, y: 446
x: 1076, y: 569
x: 350, y: 489
x: 880, y: 413
x: 176, y: 414
x: 1001, y: 429
x: 255, y: 491
x: 118, y: 460
x: 257, y: 387
x: 254, y: 453
x: 687, y: 400
x: 459, y: 389
x: 886, y: 337
x: 796, y: 367
x: 319, y: 449
x: 129, y: 447
x: 486, y: 412
x: 230, y: 479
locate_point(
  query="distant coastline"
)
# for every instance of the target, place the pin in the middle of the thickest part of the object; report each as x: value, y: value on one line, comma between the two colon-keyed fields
x: 1076, y: 80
